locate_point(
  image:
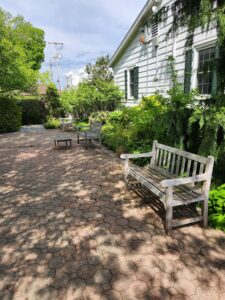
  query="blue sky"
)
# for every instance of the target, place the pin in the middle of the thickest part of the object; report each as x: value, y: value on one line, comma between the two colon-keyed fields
x: 87, y: 28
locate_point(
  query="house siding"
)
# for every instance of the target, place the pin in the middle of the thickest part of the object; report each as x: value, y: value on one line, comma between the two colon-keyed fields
x: 152, y: 68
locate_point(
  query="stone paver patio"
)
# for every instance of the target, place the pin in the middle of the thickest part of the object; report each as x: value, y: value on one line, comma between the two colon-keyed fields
x: 70, y: 230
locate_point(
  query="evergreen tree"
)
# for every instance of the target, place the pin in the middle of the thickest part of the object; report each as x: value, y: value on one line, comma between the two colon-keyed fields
x: 53, y: 100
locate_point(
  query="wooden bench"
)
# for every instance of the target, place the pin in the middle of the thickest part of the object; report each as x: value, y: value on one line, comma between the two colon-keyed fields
x: 89, y: 133
x: 66, y: 123
x: 177, y: 177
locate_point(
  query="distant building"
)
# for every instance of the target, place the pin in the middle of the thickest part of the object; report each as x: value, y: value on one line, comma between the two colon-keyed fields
x: 42, y: 88
x: 74, y: 77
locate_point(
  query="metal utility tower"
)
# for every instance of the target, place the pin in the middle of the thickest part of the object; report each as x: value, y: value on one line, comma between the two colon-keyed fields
x: 51, y: 68
x: 57, y: 57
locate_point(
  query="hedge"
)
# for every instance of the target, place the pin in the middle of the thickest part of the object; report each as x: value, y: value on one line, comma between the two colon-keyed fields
x: 33, y: 111
x: 10, y: 115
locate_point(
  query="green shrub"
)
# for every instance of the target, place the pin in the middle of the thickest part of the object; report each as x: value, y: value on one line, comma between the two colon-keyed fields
x: 161, y: 117
x: 132, y: 129
x: 99, y: 116
x: 217, y: 207
x: 88, y: 98
x: 10, y: 115
x: 115, y: 116
x: 52, y: 123
x: 33, y: 111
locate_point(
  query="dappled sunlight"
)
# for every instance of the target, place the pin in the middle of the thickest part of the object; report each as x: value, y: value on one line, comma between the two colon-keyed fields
x: 26, y: 155
x: 70, y: 229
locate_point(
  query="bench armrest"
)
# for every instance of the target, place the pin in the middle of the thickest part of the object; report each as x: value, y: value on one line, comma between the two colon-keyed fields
x: 183, y: 181
x: 141, y: 155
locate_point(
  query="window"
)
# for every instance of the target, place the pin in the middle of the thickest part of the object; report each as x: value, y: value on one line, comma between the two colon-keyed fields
x: 206, y: 60
x: 131, y: 94
x: 131, y: 83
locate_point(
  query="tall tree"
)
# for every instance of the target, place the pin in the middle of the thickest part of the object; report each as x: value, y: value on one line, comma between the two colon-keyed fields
x: 99, y: 70
x: 21, y: 53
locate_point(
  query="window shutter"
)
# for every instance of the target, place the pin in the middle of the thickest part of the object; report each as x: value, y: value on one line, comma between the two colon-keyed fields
x: 187, y: 72
x: 125, y: 77
x: 214, y: 75
x: 136, y: 82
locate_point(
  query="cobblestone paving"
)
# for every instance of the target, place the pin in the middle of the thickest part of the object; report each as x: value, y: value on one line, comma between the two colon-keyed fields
x: 70, y: 230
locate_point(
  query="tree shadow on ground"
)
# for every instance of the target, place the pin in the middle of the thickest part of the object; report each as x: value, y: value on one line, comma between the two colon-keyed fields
x: 69, y: 229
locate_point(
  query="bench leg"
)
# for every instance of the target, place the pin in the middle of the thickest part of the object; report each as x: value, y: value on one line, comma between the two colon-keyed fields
x: 169, y: 209
x: 169, y: 217
x: 78, y: 138
x: 126, y: 172
x: 205, y: 212
x: 86, y: 140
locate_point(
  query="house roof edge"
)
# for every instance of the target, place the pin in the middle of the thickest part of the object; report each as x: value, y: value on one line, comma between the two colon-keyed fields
x: 138, y: 21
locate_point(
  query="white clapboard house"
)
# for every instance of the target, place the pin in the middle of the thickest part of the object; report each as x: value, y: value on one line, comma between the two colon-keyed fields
x: 140, y: 63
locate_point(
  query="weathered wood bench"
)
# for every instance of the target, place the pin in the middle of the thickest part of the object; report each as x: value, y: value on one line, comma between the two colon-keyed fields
x: 89, y: 133
x: 66, y: 123
x: 177, y: 177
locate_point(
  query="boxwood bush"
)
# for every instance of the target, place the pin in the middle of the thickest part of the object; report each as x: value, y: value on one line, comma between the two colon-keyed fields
x: 10, y: 115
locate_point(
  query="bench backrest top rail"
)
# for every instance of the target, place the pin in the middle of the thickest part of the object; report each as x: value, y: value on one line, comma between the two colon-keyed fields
x: 188, y: 155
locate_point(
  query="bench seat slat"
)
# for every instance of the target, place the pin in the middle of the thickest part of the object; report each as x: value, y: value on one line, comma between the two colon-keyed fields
x: 148, y: 183
x: 89, y: 134
x: 182, y: 192
x: 151, y: 178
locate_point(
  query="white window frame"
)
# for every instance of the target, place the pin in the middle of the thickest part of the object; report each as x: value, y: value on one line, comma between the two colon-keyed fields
x: 195, y: 61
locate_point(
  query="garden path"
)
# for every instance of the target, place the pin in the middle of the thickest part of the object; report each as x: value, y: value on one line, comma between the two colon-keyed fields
x: 70, y: 230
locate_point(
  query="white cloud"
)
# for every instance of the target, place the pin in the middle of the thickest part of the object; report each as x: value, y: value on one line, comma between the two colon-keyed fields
x: 87, y: 28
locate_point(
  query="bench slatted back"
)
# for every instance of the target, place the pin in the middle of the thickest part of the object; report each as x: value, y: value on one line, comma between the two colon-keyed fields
x: 178, y: 162
x: 96, y: 127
